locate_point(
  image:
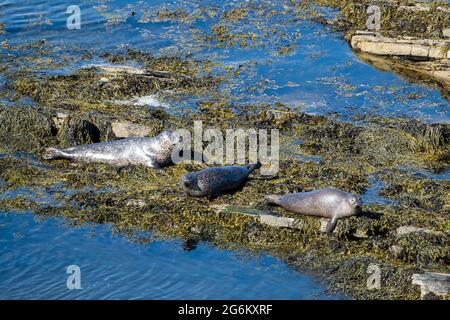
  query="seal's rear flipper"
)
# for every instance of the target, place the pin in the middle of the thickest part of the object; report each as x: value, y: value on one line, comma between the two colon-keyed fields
x: 252, y: 167
x: 273, y: 199
x: 331, y: 225
x: 53, y: 153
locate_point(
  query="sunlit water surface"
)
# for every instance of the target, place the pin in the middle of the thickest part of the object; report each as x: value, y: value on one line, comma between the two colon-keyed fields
x: 319, y: 74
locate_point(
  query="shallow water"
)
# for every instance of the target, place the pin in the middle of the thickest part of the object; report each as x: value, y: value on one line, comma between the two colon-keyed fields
x: 318, y: 74
x: 36, y: 252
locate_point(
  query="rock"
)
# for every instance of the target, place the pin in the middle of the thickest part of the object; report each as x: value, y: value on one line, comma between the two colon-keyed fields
x: 403, y: 230
x: 76, y: 130
x: 59, y: 119
x: 396, y: 251
x: 120, y: 129
x: 323, y: 225
x: 279, y: 222
x: 136, y: 203
x: 125, y: 129
x: 408, y: 47
x: 432, y: 283
x: 437, y: 70
x: 446, y: 33
x: 264, y: 217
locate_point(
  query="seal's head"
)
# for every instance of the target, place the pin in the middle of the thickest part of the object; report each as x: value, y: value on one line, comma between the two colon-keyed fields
x: 354, y: 204
x: 190, y: 184
x: 164, y: 145
x: 169, y: 139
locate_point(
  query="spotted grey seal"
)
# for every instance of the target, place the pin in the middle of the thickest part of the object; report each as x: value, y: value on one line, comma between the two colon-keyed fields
x: 328, y: 203
x: 153, y: 152
x: 212, y: 182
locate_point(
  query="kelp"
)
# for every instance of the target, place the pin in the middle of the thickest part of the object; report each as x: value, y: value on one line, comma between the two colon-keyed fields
x: 138, y: 198
x: 397, y: 19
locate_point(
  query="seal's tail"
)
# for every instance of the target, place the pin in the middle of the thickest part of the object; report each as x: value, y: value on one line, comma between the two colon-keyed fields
x: 252, y: 167
x: 53, y: 153
x: 273, y: 199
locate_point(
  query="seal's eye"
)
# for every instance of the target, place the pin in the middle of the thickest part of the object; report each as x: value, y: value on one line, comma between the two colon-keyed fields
x: 352, y: 200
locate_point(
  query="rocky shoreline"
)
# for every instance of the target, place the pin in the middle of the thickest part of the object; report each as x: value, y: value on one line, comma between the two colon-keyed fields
x: 412, y: 39
x: 145, y: 199
x: 406, y: 236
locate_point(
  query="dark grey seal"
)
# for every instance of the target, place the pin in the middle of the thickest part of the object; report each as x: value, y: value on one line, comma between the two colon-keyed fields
x: 153, y: 152
x: 328, y: 203
x: 212, y: 182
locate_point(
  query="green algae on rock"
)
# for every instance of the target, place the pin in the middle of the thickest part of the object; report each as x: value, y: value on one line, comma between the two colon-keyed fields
x: 146, y: 199
x: 100, y: 87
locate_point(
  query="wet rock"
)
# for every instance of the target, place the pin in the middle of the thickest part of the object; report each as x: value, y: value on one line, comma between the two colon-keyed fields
x: 78, y: 131
x: 126, y: 129
x: 408, y: 47
x: 432, y: 284
x: 403, y: 230
x: 190, y: 244
x: 84, y: 129
x: 263, y: 217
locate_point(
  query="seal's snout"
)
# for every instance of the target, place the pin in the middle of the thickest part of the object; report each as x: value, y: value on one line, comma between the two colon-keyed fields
x: 356, y: 203
x: 187, y: 180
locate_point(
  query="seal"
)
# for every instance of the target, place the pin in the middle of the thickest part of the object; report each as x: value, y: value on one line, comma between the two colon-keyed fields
x: 330, y: 203
x: 212, y: 182
x: 153, y: 152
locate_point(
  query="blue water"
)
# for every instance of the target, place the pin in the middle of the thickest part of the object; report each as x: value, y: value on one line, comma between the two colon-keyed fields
x: 35, y: 254
x: 320, y: 75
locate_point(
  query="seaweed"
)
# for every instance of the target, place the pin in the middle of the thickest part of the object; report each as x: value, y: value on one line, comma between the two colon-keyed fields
x: 137, y: 198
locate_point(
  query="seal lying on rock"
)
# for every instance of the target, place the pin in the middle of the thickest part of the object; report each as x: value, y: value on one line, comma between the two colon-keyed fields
x: 328, y: 203
x: 212, y: 182
x: 153, y: 152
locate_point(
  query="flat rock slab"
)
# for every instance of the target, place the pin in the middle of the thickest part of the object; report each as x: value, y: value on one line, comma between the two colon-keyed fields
x: 121, y: 129
x: 403, y: 230
x: 263, y: 217
x: 125, y: 129
x: 432, y: 283
x: 374, y: 43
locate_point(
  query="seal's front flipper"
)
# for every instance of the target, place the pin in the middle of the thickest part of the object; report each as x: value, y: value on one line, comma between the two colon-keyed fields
x: 54, y: 153
x: 331, y: 225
